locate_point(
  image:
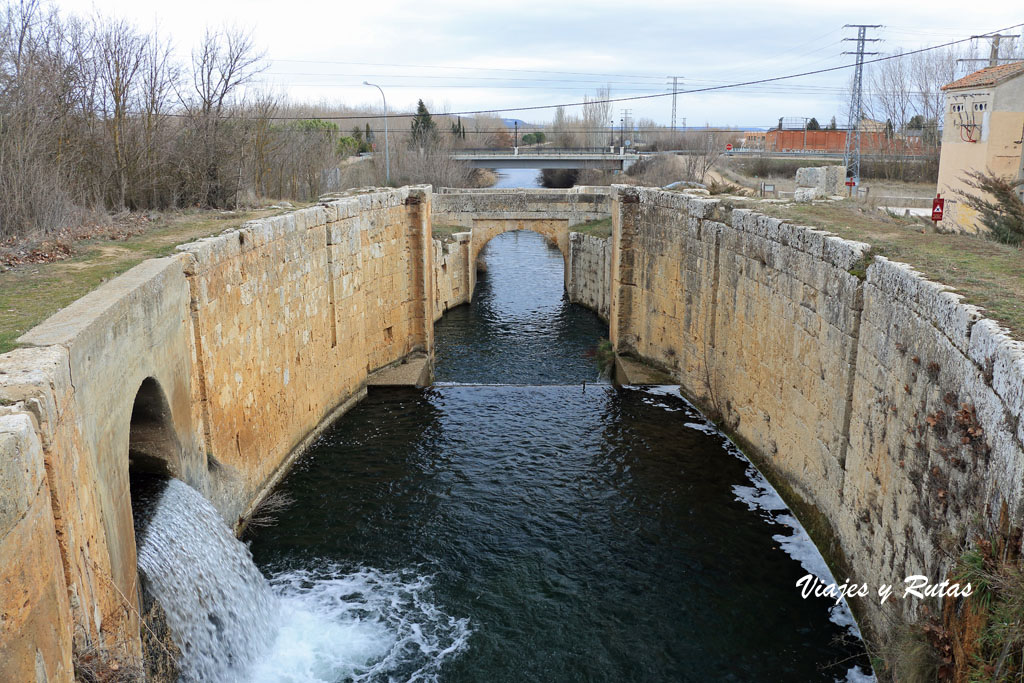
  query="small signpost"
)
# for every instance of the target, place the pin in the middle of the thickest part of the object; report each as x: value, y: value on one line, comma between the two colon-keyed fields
x: 938, y: 207
x: 728, y: 147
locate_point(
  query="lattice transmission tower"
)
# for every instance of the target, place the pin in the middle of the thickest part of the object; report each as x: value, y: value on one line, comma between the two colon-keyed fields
x: 675, y: 91
x: 851, y: 158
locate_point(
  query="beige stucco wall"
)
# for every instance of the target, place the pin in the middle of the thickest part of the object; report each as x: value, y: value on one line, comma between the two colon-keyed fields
x: 997, y: 147
x: 848, y: 388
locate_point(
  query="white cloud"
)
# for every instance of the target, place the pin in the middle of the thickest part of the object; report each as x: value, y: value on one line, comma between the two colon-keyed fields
x: 637, y: 44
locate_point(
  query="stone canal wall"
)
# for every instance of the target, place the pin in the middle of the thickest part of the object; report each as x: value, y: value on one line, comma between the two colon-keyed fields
x: 887, y: 412
x: 577, y: 205
x: 217, y: 365
x: 76, y: 381
x: 292, y: 313
x: 453, y: 284
x: 487, y: 213
x: 588, y: 281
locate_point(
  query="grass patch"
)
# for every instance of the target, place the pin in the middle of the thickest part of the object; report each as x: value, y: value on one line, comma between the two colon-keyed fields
x: 444, y: 231
x: 29, y: 294
x: 605, y: 355
x: 988, y: 274
x: 602, y: 227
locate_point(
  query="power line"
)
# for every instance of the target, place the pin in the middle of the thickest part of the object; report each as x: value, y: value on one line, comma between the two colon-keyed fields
x: 635, y: 98
x: 993, y: 57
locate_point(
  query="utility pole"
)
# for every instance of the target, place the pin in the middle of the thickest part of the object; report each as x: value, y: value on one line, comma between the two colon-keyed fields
x: 852, y: 156
x: 675, y: 90
x: 993, y: 55
x: 387, y: 158
x: 622, y: 130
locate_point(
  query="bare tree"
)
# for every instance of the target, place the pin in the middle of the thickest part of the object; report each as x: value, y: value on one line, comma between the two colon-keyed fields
x: 35, y: 182
x: 565, y: 129
x: 703, y: 149
x: 262, y: 107
x: 597, y: 114
x: 160, y: 78
x: 891, y: 90
x: 222, y: 65
x: 121, y: 54
x: 929, y: 71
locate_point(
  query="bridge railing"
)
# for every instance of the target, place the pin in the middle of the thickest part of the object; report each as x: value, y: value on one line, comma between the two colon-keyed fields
x: 535, y: 151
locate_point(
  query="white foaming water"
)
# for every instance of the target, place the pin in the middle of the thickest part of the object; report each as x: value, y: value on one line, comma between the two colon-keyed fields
x: 233, y: 625
x: 360, y: 626
x: 219, y: 607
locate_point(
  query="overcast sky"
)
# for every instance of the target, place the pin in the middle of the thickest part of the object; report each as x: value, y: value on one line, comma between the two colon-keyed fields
x: 466, y: 55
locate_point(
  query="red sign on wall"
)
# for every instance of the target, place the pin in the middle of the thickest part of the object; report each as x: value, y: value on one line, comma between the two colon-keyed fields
x: 938, y: 206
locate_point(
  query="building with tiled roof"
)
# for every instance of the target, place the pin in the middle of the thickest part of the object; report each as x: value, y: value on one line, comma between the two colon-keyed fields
x: 983, y: 130
x: 987, y: 77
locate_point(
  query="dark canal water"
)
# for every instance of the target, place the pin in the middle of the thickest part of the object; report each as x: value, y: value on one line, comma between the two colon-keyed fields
x: 518, y: 329
x: 477, y: 531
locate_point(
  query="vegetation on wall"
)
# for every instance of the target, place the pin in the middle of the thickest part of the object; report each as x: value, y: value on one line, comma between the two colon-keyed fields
x: 999, y: 205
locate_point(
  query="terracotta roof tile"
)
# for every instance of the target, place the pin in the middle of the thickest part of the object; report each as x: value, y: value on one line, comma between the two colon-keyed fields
x: 987, y: 77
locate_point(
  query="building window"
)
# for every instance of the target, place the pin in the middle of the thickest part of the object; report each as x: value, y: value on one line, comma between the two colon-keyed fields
x: 957, y: 107
x: 980, y: 106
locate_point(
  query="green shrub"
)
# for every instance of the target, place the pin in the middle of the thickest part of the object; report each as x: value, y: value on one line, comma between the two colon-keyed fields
x: 1001, y: 208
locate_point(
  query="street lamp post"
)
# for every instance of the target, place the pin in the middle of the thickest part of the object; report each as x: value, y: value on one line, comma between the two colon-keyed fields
x: 387, y: 157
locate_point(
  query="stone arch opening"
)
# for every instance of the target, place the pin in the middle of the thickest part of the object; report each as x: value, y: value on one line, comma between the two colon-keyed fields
x: 154, y: 457
x: 484, y: 230
x: 152, y: 446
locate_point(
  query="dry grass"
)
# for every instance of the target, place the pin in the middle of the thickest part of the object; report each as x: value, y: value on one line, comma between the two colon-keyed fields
x: 93, y: 666
x: 445, y: 231
x: 783, y: 176
x: 31, y: 293
x: 988, y: 274
x: 266, y: 513
x: 601, y: 227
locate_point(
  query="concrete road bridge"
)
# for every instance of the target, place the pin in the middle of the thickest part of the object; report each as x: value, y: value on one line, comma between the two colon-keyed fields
x: 542, y: 158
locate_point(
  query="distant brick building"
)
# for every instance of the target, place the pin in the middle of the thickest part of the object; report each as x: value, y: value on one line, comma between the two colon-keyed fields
x: 983, y: 129
x: 754, y: 139
x: 873, y: 140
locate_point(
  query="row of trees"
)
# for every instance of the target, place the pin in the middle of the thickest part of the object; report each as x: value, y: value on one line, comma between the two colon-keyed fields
x: 97, y: 115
